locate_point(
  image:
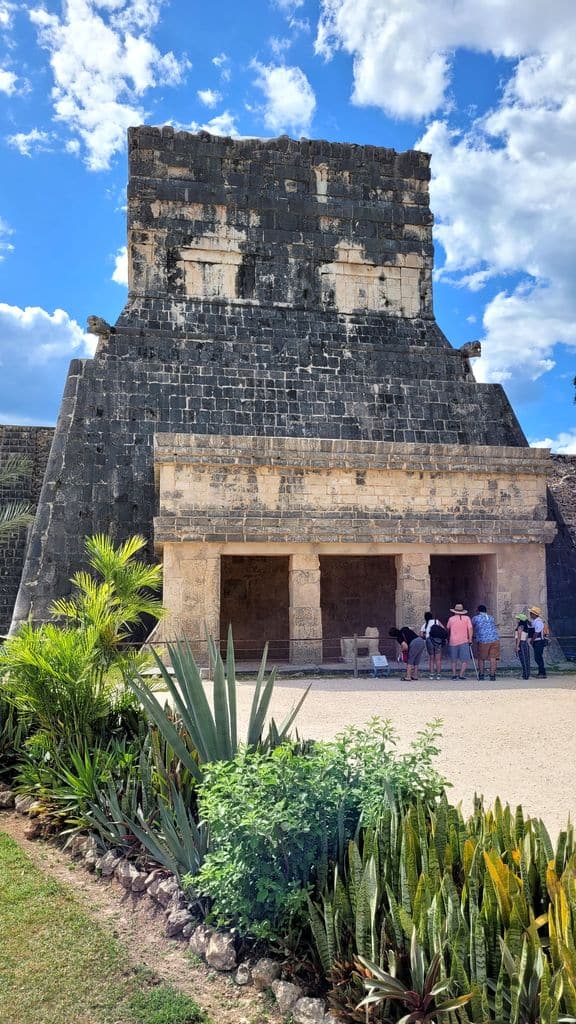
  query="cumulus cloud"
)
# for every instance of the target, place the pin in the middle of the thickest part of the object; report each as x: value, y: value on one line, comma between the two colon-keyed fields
x: 402, y: 55
x: 8, y: 82
x: 209, y: 97
x: 563, y: 444
x: 503, y: 191
x: 37, y: 337
x: 290, y: 100
x: 120, y: 272
x: 221, y: 124
x: 103, y: 62
x: 27, y: 142
x: 6, y: 14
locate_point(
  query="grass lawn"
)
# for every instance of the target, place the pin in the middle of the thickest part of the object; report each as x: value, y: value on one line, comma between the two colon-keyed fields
x: 58, y: 966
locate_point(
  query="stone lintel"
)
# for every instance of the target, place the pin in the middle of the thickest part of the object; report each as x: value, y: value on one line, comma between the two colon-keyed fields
x: 214, y: 527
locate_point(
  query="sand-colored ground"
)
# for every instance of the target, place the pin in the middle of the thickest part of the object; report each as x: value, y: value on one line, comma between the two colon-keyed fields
x: 503, y: 738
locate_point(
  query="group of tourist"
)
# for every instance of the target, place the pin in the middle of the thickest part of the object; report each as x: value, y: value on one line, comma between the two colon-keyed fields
x: 460, y: 632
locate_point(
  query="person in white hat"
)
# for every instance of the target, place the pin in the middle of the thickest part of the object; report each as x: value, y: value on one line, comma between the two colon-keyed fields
x: 538, y: 639
x: 460, y: 632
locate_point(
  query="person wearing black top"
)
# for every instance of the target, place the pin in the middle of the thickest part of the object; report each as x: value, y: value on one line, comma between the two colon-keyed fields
x: 415, y: 646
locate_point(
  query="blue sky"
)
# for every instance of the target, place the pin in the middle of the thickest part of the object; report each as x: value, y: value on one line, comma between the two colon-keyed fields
x: 488, y: 88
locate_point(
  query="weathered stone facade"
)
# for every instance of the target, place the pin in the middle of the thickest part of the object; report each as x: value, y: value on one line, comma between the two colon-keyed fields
x: 32, y: 443
x: 401, y: 505
x: 280, y: 311
x: 561, y: 554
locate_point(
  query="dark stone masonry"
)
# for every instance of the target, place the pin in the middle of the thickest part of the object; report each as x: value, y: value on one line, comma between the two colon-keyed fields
x: 32, y: 443
x: 276, y: 288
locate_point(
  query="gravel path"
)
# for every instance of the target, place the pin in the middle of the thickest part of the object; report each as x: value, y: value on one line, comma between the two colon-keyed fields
x: 500, y: 739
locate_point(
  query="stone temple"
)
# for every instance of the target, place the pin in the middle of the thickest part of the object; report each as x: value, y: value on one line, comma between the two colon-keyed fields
x: 278, y: 412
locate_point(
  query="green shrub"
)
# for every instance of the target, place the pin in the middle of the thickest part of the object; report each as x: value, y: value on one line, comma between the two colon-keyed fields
x: 278, y: 819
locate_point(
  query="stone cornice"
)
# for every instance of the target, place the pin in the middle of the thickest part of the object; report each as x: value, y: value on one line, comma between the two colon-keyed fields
x: 316, y: 453
x: 249, y: 526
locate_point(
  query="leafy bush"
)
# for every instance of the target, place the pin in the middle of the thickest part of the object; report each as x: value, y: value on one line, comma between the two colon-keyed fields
x: 69, y: 679
x: 279, y: 819
x: 490, y: 895
x: 13, y: 733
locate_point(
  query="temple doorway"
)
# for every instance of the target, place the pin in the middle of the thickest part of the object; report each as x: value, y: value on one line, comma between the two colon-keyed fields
x: 254, y: 598
x: 356, y: 591
x: 467, y: 579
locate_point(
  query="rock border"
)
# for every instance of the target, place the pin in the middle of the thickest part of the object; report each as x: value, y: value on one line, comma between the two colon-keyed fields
x: 217, y: 947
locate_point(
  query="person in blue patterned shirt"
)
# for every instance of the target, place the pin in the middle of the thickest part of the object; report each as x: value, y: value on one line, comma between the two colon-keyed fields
x: 487, y: 637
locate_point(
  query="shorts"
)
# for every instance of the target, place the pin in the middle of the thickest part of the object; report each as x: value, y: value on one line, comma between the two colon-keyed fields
x: 433, y: 645
x: 459, y: 652
x: 489, y: 650
x: 416, y: 650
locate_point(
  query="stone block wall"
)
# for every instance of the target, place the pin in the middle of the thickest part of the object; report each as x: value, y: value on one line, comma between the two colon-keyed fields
x: 277, y: 289
x: 561, y: 554
x: 34, y: 444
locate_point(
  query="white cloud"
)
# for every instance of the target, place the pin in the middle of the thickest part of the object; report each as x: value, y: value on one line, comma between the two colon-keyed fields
x: 34, y: 336
x: 103, y: 62
x: 503, y: 192
x: 220, y: 60
x: 402, y: 53
x: 563, y: 444
x: 209, y: 97
x: 8, y: 82
x: 290, y: 99
x: 5, y: 245
x: 26, y: 142
x: 222, y: 124
x: 288, y: 6
x: 120, y: 272
x: 6, y: 14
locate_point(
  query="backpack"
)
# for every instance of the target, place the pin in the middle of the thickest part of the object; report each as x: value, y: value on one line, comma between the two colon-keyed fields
x: 437, y: 632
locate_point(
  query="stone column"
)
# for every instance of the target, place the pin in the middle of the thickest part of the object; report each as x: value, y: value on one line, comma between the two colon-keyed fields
x: 191, y: 596
x: 412, y: 588
x: 305, y: 611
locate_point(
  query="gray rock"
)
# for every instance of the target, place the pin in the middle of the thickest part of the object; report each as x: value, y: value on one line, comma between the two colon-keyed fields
x: 221, y: 952
x: 243, y: 975
x: 177, y: 901
x: 165, y: 890
x: 107, y: 864
x: 154, y: 877
x: 308, y: 1011
x: 199, y: 940
x: 80, y: 846
x: 264, y: 972
x: 23, y: 804
x: 129, y: 876
x: 7, y: 799
x: 91, y: 858
x: 329, y: 1018
x: 176, y: 922
x: 188, y: 928
x: 287, y: 995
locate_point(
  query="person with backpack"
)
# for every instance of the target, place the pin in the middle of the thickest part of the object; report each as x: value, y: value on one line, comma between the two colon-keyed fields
x: 539, y: 639
x: 487, y: 637
x: 435, y: 636
x: 459, y: 628
x: 521, y: 642
x: 411, y: 644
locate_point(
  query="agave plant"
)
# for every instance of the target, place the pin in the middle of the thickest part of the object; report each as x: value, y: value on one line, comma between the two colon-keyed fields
x: 201, y: 733
x: 421, y: 999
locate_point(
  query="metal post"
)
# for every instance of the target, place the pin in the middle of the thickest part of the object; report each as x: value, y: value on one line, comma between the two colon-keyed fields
x: 355, y: 655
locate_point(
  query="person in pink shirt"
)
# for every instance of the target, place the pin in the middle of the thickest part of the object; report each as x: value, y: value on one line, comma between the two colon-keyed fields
x: 460, y: 632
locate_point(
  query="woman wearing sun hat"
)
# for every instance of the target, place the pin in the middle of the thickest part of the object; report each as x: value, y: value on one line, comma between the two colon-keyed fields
x: 521, y: 640
x: 538, y: 638
x: 460, y: 632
